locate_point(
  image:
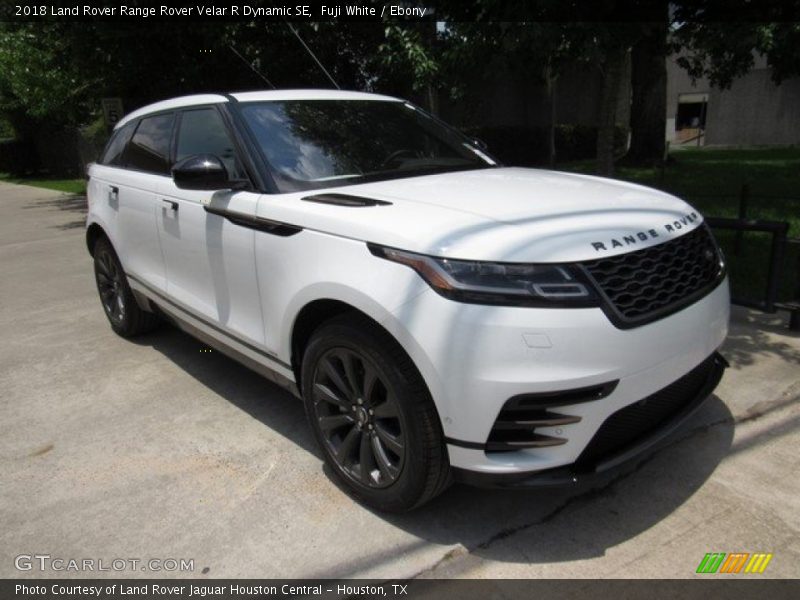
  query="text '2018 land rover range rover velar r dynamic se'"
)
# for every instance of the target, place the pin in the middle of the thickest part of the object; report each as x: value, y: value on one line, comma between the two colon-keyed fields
x: 441, y: 316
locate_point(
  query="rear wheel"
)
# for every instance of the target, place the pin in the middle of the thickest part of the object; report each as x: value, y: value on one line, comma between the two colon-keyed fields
x: 373, y: 416
x: 127, y: 318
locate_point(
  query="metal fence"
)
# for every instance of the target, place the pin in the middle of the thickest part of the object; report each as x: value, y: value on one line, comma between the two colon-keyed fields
x: 781, y: 265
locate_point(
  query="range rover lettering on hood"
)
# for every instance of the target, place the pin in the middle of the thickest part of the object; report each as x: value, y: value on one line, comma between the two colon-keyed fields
x: 642, y: 236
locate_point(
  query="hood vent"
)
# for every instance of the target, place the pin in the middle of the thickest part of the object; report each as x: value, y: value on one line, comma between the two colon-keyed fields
x: 345, y: 200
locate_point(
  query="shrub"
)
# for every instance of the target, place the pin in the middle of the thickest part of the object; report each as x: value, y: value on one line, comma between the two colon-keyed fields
x: 18, y: 158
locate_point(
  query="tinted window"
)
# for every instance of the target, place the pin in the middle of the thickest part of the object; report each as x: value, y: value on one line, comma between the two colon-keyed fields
x: 319, y: 143
x: 202, y: 131
x: 116, y: 145
x: 148, y: 150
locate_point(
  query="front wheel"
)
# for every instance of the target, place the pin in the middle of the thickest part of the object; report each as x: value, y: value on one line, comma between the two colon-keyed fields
x: 373, y: 416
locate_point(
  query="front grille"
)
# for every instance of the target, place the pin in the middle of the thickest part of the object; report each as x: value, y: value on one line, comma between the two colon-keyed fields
x: 650, y: 283
x: 636, y: 421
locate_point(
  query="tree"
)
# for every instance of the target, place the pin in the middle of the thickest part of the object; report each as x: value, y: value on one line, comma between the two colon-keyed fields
x: 540, y: 51
x: 58, y: 85
x: 610, y: 48
x: 613, y: 67
x: 649, y: 88
x: 38, y: 81
x: 410, y: 50
x: 63, y: 80
x: 724, y: 51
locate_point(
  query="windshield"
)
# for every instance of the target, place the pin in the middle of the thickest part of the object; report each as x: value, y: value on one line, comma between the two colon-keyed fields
x: 312, y: 144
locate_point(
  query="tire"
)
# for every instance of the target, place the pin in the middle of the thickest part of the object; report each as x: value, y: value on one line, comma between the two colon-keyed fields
x: 373, y: 416
x: 127, y: 318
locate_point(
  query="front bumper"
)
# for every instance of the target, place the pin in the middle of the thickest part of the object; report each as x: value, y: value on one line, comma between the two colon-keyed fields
x: 594, y: 465
x: 475, y: 358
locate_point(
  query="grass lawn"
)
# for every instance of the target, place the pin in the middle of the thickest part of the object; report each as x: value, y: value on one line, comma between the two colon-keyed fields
x: 711, y: 180
x: 70, y: 186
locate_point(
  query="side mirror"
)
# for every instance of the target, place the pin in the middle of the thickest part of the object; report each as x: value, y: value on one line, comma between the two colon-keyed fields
x: 203, y: 172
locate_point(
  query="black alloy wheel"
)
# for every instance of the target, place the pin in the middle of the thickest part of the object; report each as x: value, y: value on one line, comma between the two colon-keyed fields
x: 127, y: 318
x: 359, y: 418
x: 372, y: 415
x: 110, y: 284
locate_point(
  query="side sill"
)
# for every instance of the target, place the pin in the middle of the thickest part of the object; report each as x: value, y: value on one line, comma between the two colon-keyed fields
x: 230, y: 352
x: 174, y: 313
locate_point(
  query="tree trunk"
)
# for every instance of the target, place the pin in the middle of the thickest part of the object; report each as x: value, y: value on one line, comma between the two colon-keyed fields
x: 431, y: 92
x: 550, y: 82
x: 432, y: 100
x: 649, y: 101
x: 613, y: 67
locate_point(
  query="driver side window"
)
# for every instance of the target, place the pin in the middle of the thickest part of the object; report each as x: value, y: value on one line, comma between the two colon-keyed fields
x: 202, y: 131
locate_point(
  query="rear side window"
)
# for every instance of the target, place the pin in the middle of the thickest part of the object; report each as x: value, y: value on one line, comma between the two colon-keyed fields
x: 116, y: 145
x: 148, y: 149
x: 202, y: 131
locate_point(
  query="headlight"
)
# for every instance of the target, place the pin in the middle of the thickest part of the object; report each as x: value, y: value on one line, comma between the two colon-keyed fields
x: 509, y: 284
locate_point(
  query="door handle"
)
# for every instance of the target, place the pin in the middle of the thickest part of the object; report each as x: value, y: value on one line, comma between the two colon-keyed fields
x: 171, y: 204
x: 113, y: 193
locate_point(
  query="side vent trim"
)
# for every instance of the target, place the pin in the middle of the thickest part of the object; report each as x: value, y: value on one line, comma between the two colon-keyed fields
x: 257, y: 223
x: 346, y: 200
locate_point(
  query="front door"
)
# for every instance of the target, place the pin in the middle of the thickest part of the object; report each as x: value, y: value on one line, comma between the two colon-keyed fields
x: 210, y: 260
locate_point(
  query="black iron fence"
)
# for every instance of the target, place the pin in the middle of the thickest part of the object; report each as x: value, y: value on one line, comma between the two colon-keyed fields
x: 763, y: 255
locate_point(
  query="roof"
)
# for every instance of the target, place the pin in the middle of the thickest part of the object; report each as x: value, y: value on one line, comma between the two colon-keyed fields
x: 265, y: 95
x: 309, y: 95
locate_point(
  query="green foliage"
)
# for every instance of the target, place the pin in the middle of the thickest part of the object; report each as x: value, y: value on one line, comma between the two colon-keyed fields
x: 53, y: 74
x: 58, y: 71
x: 408, y: 49
x: 6, y: 130
x: 781, y: 44
x: 17, y: 157
x: 38, y: 78
x: 723, y: 51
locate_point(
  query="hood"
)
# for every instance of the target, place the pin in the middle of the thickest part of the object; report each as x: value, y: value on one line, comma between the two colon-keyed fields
x: 499, y: 214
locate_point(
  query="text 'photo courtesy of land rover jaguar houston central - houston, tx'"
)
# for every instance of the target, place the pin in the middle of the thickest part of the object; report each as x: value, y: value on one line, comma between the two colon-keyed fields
x: 443, y: 318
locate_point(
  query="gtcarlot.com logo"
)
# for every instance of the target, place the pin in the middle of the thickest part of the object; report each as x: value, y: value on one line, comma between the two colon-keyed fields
x: 45, y: 562
x: 734, y: 562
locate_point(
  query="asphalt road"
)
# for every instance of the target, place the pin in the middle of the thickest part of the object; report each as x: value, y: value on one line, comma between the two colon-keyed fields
x: 154, y: 449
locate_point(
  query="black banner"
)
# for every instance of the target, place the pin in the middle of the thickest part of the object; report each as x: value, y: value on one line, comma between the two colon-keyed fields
x: 394, y: 10
x: 702, y: 588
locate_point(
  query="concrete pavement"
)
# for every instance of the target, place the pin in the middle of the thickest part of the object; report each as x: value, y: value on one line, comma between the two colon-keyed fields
x: 154, y: 449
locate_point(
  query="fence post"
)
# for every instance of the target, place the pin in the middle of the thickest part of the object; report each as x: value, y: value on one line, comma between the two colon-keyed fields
x: 794, y: 310
x: 662, y: 166
x: 744, y: 197
x: 775, y: 266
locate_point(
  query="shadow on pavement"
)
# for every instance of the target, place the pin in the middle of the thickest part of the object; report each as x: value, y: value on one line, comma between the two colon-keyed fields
x: 69, y: 203
x: 248, y: 391
x: 585, y: 521
x: 476, y: 518
x: 754, y: 334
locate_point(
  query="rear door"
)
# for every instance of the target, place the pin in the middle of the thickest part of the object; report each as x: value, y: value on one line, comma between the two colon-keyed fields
x: 210, y: 260
x: 102, y: 189
x: 145, y: 163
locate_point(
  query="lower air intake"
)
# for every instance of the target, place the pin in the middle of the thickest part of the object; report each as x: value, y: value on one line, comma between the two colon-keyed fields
x: 631, y: 424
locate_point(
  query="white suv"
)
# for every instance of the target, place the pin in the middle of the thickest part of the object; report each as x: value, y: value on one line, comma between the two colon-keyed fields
x: 442, y: 317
